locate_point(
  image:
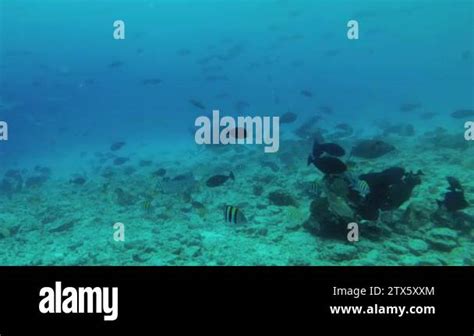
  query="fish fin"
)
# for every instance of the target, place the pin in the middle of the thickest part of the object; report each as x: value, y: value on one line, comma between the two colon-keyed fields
x: 231, y: 175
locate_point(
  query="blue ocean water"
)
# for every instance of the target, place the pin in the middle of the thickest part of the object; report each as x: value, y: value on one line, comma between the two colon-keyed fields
x: 69, y: 91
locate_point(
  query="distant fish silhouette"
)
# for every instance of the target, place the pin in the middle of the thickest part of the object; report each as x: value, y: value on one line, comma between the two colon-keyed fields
x: 288, y: 118
x: 462, y: 113
x: 117, y: 145
x: 408, y: 107
x: 306, y: 93
x: 197, y: 103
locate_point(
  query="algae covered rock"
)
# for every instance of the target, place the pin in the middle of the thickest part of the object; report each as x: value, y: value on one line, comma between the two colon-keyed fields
x: 341, y: 252
x: 417, y: 246
x: 443, y: 239
x: 417, y: 215
x: 323, y: 221
x: 4, y: 233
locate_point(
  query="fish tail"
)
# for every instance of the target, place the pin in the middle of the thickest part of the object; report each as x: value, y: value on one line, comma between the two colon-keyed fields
x: 232, y: 176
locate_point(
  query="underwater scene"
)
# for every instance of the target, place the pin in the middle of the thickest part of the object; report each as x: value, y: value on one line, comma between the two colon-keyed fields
x: 238, y: 132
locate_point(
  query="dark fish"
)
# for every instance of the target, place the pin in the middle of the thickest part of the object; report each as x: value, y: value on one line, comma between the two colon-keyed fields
x: 454, y: 184
x: 197, y: 104
x: 408, y: 107
x: 372, y: 149
x: 234, y: 215
x: 326, y: 109
x: 463, y: 113
x: 160, y: 172
x: 306, y: 93
x: 116, y: 64
x: 145, y: 163
x: 288, y: 118
x: 151, y: 81
x: 387, y: 177
x: 329, y: 165
x: 218, y: 180
x: 120, y: 161
x: 328, y: 148
x: 78, y: 181
x: 117, y: 145
x: 390, y: 188
x: 454, y: 199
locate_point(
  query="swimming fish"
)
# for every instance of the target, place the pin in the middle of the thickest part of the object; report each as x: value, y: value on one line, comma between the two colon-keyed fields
x: 159, y: 172
x: 306, y: 93
x: 120, y: 161
x: 218, y: 180
x: 329, y: 165
x: 372, y: 149
x: 454, y: 199
x: 389, y: 189
x: 117, y: 145
x: 408, y: 107
x: 328, y: 148
x: 147, y: 205
x: 115, y: 64
x: 197, y: 104
x: 78, y: 180
x: 358, y: 185
x: 463, y: 113
x: 288, y: 118
x: 234, y: 215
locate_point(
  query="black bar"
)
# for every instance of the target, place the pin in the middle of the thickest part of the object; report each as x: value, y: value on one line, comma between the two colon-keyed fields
x: 155, y: 297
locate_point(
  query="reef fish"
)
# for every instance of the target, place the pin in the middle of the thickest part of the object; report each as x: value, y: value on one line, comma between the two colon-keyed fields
x: 329, y: 165
x: 218, y: 180
x: 234, y: 215
x: 463, y: 113
x: 328, y: 148
x: 117, y: 145
x: 288, y: 118
x: 197, y: 103
x: 372, y: 149
x: 454, y: 199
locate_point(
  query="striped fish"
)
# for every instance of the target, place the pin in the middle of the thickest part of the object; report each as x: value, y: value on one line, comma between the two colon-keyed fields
x: 234, y: 215
x: 358, y: 185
